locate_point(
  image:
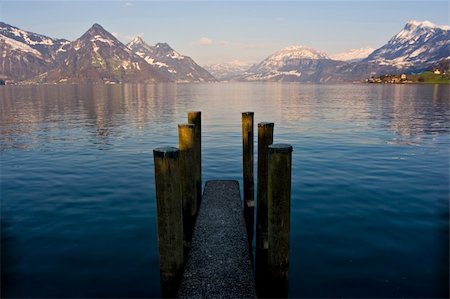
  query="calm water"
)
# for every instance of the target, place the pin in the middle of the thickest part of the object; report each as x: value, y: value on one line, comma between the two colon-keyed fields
x: 370, y: 197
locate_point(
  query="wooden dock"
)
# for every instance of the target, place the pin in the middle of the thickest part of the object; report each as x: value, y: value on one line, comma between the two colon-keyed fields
x: 205, y: 241
x: 219, y: 263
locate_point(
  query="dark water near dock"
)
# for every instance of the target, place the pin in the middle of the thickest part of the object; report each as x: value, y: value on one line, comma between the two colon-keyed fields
x: 370, y: 197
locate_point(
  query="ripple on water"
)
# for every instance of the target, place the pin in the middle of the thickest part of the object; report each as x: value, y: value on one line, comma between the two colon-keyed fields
x: 370, y: 177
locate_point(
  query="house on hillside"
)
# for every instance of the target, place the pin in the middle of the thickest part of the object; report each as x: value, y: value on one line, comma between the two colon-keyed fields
x: 436, y: 71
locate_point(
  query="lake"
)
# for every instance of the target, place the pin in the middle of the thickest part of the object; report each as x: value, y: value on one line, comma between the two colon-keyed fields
x: 370, y: 183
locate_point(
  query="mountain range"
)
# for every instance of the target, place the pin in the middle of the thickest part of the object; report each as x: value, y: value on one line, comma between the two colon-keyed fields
x: 25, y: 54
x: 176, y: 67
x: 228, y: 70
x: 98, y: 56
x: 419, y: 46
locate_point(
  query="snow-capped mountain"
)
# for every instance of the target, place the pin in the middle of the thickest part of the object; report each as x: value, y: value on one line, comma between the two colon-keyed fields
x: 229, y: 70
x: 290, y: 56
x: 294, y: 63
x: 97, y: 56
x: 140, y: 47
x: 418, y: 43
x: 177, y: 67
x: 24, y: 54
x: 353, y: 55
x: 419, y: 46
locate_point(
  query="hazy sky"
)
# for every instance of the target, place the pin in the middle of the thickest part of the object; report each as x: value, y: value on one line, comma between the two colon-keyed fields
x: 220, y: 31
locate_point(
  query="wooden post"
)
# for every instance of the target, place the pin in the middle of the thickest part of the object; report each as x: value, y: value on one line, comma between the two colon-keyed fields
x: 247, y: 148
x: 265, y: 138
x: 169, y: 223
x: 186, y: 143
x: 195, y: 117
x: 279, y: 208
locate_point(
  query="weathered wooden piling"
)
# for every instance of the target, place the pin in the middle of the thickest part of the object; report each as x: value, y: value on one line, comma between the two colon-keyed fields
x: 169, y: 215
x: 186, y: 143
x: 247, y: 148
x: 279, y: 206
x: 195, y: 118
x: 265, y: 138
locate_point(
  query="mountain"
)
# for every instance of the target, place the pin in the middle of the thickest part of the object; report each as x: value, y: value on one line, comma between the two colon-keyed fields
x: 97, y: 56
x: 25, y: 54
x: 177, y: 67
x: 353, y: 55
x: 228, y: 70
x: 294, y: 64
x: 417, y: 45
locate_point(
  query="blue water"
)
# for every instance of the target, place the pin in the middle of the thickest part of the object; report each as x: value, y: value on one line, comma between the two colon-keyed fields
x: 370, y: 183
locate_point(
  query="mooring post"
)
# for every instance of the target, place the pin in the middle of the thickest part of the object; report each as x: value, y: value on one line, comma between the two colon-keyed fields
x: 170, y: 217
x: 265, y: 138
x: 195, y: 118
x: 186, y: 143
x: 279, y: 208
x: 247, y: 148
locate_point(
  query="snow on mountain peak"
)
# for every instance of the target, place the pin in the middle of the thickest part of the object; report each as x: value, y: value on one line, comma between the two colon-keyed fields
x: 136, y: 41
x: 415, y: 30
x: 353, y: 54
x: 16, y: 45
x: 298, y: 52
x: 421, y: 24
x: 101, y: 39
x: 417, y: 43
x: 424, y: 25
x: 290, y: 61
x: 140, y: 47
x: 26, y: 37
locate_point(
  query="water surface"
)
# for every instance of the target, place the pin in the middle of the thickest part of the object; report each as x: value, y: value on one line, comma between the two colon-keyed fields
x: 370, y: 183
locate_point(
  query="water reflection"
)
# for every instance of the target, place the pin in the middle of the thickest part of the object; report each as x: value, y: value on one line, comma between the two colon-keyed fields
x: 78, y: 189
x: 32, y: 113
x: 102, y: 109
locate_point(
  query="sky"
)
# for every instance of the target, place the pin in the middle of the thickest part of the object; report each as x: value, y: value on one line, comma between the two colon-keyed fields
x: 223, y: 31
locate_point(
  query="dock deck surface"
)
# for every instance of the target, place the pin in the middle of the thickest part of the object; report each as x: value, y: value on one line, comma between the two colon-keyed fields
x: 219, y: 263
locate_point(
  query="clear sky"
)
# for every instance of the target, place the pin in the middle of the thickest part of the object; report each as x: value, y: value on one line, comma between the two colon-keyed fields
x: 221, y: 31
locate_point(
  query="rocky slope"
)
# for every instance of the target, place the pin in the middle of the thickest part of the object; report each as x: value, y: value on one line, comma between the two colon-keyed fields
x: 97, y: 56
x: 418, y: 43
x: 294, y: 64
x: 418, y: 46
x: 25, y: 54
x: 177, y: 67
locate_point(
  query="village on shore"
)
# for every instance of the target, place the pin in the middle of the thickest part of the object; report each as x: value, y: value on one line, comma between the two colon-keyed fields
x: 437, y: 75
